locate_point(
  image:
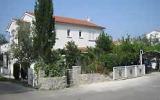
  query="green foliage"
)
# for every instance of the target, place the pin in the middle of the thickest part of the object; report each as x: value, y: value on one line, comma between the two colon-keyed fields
x: 23, y: 49
x: 109, y: 61
x: 104, y: 42
x: 127, y: 52
x: 44, y: 39
x: 39, y: 65
x: 100, y: 58
x: 44, y: 36
x: 72, y: 54
x: 56, y: 68
x: 3, y: 40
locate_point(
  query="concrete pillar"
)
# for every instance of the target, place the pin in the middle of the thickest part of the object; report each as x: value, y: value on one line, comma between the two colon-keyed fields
x: 1, y: 70
x: 125, y: 72
x: 114, y: 73
x: 4, y: 60
x: 76, y: 71
x: 136, y: 71
x: 141, y: 58
x: 144, y: 69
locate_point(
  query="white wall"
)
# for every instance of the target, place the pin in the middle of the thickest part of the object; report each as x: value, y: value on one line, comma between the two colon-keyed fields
x: 13, y: 32
x: 5, y: 47
x: 84, y: 41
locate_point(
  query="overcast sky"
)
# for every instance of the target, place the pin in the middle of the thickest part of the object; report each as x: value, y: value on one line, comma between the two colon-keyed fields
x: 120, y: 17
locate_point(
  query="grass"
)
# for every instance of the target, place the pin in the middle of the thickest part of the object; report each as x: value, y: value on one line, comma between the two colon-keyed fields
x: 3, y: 79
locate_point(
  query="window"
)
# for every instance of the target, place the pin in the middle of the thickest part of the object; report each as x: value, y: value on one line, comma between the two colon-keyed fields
x: 13, y: 33
x: 68, y: 33
x: 80, y: 34
x: 91, y: 36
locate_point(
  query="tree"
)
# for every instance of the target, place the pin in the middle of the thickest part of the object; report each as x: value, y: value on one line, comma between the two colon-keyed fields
x: 2, y: 39
x: 23, y: 49
x: 72, y: 54
x: 44, y: 37
x: 104, y: 42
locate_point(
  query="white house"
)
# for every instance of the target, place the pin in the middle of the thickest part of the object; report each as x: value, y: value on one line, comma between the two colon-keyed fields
x: 82, y: 32
x: 154, y: 35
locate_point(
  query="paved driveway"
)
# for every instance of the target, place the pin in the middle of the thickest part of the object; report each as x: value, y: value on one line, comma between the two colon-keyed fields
x: 142, y: 88
x: 12, y: 88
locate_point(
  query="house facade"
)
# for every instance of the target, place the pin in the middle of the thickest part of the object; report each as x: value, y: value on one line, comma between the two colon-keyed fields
x: 154, y: 36
x: 82, y: 32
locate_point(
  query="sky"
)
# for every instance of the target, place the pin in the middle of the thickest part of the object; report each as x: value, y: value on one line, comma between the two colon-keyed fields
x: 120, y: 17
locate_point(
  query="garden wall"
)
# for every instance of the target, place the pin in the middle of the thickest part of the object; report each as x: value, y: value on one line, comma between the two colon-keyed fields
x: 73, y: 78
x: 52, y: 83
x: 91, y: 78
x: 78, y: 78
x: 124, y: 72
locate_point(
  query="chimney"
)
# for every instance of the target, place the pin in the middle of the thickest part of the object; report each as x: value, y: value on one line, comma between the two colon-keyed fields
x: 88, y: 19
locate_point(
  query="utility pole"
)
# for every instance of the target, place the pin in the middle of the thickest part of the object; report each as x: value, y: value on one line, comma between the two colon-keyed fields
x: 141, y: 57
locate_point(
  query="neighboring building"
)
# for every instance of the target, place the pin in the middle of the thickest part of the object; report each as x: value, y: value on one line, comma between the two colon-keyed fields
x: 154, y: 36
x: 82, y: 32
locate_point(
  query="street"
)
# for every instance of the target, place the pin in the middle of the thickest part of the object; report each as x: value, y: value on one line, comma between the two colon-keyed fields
x: 141, y: 88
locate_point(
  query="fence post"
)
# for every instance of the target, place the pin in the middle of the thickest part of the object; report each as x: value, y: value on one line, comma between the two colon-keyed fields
x: 136, y: 71
x: 144, y: 69
x: 125, y: 72
x: 76, y: 71
x: 113, y: 73
x: 0, y: 70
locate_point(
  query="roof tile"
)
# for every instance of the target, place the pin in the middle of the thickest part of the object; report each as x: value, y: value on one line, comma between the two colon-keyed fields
x: 60, y: 19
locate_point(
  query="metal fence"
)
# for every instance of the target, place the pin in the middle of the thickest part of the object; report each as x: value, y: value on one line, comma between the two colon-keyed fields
x: 125, y: 72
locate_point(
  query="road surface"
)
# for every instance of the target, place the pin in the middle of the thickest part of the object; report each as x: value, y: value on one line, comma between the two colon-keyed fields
x: 142, y: 88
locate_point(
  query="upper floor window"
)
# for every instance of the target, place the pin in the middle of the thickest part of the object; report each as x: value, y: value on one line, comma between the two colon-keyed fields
x: 80, y: 34
x: 68, y: 33
x: 91, y: 36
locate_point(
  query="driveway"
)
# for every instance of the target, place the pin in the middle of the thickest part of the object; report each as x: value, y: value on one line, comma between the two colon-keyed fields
x: 142, y: 88
x: 12, y: 88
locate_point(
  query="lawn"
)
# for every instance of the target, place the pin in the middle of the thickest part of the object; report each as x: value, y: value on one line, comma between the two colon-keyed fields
x: 4, y: 79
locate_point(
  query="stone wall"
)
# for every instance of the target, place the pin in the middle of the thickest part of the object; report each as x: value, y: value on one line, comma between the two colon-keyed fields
x: 74, y: 78
x: 119, y: 72
x: 91, y: 78
x: 78, y: 78
x: 52, y: 83
x: 124, y: 72
x: 131, y: 71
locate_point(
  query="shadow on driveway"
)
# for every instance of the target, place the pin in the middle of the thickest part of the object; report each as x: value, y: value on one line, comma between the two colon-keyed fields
x: 12, y: 88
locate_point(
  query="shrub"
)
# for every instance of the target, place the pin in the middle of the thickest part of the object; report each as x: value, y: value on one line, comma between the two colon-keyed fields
x: 55, y: 71
x: 72, y: 54
x: 39, y: 65
x: 56, y: 68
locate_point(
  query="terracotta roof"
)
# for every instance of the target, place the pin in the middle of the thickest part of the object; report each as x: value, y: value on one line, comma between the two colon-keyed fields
x: 60, y: 19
